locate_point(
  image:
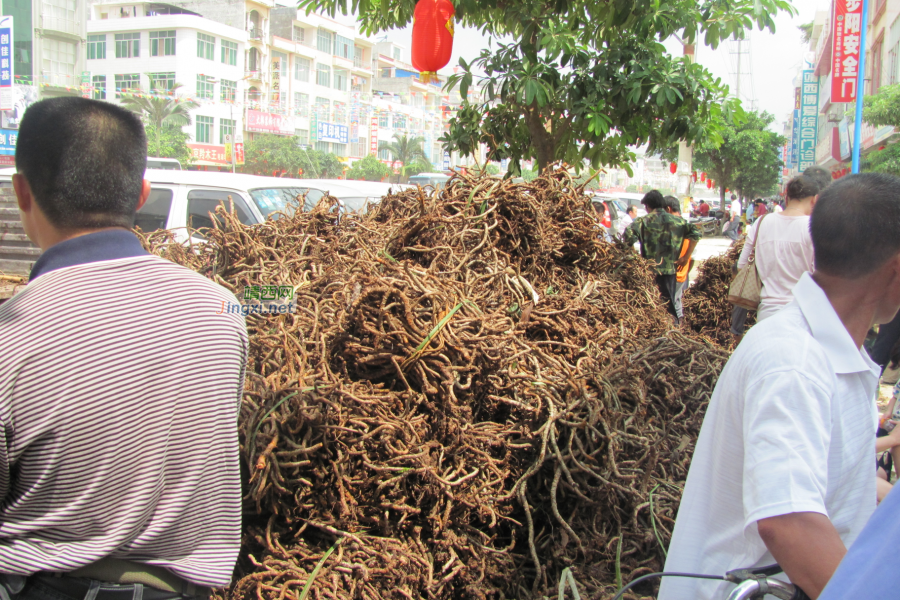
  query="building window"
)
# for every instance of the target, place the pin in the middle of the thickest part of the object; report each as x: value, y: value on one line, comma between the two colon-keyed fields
x: 161, y: 81
x: 301, y: 69
x: 324, y: 41
x: 301, y: 104
x: 59, y: 62
x: 299, y: 34
x: 396, y: 53
x: 302, y: 136
x: 128, y: 45
x: 99, y: 84
x: 339, y: 149
x: 229, y: 53
x: 253, y: 59
x: 205, y: 87
x: 229, y: 90
x: 358, y: 147
x: 204, y: 130
x: 58, y: 15
x: 128, y: 81
x: 323, y: 75
x: 226, y: 127
x: 96, y: 46
x: 399, y: 121
x: 383, y: 120
x: 323, y: 146
x: 323, y: 109
x: 206, y: 46
x: 357, y: 57
x: 162, y: 43
x: 343, y: 47
x: 383, y: 152
x: 877, y: 65
x: 341, y: 80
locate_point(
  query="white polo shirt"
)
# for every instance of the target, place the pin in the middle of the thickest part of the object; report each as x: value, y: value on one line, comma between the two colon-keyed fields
x: 790, y: 428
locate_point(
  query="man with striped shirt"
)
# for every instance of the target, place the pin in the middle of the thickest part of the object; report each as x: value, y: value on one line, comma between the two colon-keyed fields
x: 119, y: 383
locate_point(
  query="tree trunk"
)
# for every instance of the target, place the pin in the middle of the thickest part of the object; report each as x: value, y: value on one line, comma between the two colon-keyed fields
x: 541, y: 139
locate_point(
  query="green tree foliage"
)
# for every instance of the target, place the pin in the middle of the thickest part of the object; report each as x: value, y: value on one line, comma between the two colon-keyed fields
x: 407, y: 150
x: 419, y: 165
x: 161, y: 112
x: 583, y: 79
x: 369, y: 169
x: 268, y: 152
x: 881, y: 110
x: 168, y: 142
x: 748, y: 161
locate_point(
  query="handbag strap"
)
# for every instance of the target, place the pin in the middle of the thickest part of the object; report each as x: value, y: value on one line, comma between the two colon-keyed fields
x: 756, y: 237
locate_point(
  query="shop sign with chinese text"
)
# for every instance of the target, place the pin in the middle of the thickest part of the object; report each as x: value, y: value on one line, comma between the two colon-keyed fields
x: 795, y: 130
x: 209, y: 153
x: 331, y: 132
x: 809, y: 120
x: 263, y: 122
x: 6, y: 63
x: 847, y: 23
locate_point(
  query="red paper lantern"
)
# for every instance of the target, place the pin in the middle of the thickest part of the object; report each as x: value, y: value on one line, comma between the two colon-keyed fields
x: 432, y: 37
x: 673, y: 167
x: 703, y: 176
x: 709, y: 184
x: 694, y: 176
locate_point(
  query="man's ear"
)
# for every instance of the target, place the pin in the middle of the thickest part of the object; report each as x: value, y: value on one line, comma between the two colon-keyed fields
x: 145, y: 193
x: 24, y: 197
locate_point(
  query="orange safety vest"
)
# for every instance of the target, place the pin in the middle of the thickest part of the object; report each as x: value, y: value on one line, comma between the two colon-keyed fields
x: 682, y: 273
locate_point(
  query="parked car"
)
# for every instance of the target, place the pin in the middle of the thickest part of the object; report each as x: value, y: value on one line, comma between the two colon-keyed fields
x: 434, y: 180
x: 163, y: 163
x: 182, y: 199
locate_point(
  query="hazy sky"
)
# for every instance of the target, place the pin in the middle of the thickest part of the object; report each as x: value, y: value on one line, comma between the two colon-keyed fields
x: 769, y: 61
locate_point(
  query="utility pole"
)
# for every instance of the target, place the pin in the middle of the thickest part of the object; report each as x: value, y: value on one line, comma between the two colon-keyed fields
x: 685, y: 151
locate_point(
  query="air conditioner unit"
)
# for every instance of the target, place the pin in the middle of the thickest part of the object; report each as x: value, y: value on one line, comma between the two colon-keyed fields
x: 834, y: 115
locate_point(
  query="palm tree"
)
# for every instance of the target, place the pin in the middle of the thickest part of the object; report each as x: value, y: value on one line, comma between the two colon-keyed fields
x: 406, y: 149
x: 161, y: 111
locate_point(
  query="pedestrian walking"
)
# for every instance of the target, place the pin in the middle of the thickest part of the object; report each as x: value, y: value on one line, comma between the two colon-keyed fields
x: 627, y: 219
x: 683, y: 273
x: 661, y: 236
x: 782, y: 470
x: 119, y: 384
x: 782, y: 246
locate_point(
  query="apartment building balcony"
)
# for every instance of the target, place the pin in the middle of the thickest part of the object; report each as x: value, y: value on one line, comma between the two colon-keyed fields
x: 60, y: 27
x: 255, y: 34
x: 255, y: 76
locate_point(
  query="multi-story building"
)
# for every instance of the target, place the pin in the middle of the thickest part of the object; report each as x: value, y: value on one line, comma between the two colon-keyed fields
x: 149, y: 48
x: 834, y: 131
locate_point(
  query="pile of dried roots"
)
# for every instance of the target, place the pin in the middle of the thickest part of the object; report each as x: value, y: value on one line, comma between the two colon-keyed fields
x: 706, y: 307
x: 474, y: 394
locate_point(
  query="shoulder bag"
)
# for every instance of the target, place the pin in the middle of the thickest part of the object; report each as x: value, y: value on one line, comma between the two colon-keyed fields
x: 746, y: 287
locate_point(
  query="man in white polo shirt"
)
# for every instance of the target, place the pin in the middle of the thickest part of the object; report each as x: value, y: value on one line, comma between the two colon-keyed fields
x: 120, y: 384
x: 783, y: 467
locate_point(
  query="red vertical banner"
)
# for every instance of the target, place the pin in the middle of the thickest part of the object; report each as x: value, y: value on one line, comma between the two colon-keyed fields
x: 373, y: 136
x: 847, y: 23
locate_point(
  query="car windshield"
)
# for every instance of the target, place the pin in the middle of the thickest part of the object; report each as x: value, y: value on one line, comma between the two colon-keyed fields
x: 270, y: 200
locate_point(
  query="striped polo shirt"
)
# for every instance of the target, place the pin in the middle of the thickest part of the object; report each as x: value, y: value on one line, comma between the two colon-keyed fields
x: 120, y: 387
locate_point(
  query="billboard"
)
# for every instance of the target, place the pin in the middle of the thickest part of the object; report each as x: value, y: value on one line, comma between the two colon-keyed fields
x: 263, y: 122
x: 847, y: 28
x: 794, y: 156
x: 331, y: 132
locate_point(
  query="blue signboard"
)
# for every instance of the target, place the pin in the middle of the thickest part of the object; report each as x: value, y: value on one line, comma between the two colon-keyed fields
x: 6, y: 63
x: 794, y: 154
x: 330, y: 132
x: 809, y: 120
x: 8, y: 141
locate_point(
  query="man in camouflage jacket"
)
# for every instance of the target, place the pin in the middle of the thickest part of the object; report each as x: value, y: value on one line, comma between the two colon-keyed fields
x: 661, y: 236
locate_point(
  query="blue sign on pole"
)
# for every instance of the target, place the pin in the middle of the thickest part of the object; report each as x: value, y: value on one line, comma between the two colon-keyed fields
x: 809, y: 120
x: 6, y: 63
x: 8, y: 141
x: 795, y: 139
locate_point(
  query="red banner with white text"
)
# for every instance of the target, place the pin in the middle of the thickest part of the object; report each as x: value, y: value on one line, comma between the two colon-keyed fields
x: 845, y: 53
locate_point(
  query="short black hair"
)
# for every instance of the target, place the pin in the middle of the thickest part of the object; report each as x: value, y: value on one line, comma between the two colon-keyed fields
x: 801, y: 187
x: 653, y: 200
x: 672, y: 203
x: 855, y: 224
x: 820, y: 175
x: 84, y: 160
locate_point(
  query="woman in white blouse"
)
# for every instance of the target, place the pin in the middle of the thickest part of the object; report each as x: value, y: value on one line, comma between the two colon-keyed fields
x: 784, y: 249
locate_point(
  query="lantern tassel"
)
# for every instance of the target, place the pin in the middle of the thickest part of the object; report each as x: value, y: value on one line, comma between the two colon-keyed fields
x: 429, y: 77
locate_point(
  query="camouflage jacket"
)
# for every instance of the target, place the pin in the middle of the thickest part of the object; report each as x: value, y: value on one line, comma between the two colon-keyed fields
x: 661, y: 235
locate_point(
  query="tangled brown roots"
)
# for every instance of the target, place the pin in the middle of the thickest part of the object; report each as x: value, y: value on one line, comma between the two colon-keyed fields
x: 473, y: 394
